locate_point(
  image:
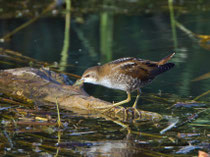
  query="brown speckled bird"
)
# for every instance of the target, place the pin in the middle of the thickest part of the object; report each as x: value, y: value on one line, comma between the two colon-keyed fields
x: 127, y: 74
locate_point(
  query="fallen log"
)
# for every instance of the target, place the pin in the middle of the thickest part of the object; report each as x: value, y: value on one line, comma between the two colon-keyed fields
x: 46, y: 87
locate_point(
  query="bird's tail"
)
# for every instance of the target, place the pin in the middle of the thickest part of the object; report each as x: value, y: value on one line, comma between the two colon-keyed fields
x: 161, y: 69
x: 165, y: 59
x: 163, y: 66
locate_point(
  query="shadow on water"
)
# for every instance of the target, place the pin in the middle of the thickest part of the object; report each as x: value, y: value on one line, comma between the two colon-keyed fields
x: 98, y: 35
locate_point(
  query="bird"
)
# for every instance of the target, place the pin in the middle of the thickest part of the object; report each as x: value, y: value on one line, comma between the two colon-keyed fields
x: 128, y: 74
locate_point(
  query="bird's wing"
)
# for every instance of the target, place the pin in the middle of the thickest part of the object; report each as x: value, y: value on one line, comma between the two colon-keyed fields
x: 141, y: 69
x: 134, y: 67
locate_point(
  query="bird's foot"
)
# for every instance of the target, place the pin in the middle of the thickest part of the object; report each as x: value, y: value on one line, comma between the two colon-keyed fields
x: 135, y: 112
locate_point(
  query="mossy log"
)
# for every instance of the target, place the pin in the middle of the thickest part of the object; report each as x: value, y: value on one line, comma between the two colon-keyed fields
x: 46, y: 87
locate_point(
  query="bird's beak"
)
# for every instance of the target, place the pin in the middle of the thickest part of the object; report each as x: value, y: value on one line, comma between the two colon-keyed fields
x: 79, y: 82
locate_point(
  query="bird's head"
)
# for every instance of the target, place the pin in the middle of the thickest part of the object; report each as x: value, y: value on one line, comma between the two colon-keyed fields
x: 90, y: 76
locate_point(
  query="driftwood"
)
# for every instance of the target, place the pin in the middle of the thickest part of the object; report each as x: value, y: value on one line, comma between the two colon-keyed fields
x: 46, y: 87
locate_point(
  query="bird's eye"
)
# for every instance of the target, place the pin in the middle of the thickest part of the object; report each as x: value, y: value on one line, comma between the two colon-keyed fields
x: 87, y: 75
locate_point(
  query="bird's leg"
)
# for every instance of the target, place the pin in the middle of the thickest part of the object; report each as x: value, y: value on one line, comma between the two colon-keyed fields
x: 119, y: 103
x: 137, y: 98
x: 124, y: 101
x: 136, y: 101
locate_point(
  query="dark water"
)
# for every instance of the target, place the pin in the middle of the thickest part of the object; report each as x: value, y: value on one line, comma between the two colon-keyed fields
x: 147, y: 36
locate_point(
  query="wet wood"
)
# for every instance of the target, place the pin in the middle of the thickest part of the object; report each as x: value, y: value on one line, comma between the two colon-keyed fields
x: 46, y: 87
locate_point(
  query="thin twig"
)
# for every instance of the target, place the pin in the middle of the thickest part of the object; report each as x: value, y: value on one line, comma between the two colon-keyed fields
x: 59, y: 119
x: 203, y: 94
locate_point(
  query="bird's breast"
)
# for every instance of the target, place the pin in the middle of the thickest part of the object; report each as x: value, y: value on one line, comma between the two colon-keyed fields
x: 121, y: 82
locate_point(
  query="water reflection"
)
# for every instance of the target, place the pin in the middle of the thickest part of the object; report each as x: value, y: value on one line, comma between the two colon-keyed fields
x: 105, y: 37
x: 121, y: 148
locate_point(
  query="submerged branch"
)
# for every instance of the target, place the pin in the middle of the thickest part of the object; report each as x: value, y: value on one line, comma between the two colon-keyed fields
x: 7, y: 36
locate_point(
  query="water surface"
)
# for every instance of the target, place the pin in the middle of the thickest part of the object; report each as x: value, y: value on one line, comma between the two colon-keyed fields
x: 100, y: 38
